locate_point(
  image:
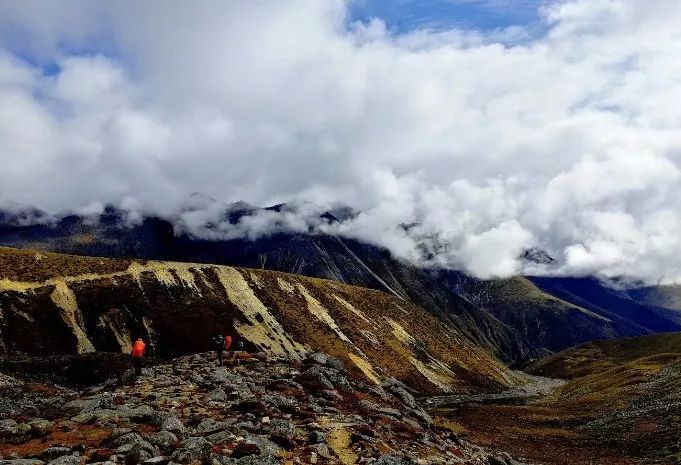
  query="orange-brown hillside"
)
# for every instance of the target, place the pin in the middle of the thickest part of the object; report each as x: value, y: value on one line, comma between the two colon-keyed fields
x: 53, y: 303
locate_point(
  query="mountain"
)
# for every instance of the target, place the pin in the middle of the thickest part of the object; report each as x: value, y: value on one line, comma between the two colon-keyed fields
x: 318, y: 255
x: 515, y: 319
x: 63, y: 304
x: 554, y: 313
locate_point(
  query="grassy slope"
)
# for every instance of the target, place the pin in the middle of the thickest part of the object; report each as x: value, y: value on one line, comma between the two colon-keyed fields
x: 546, y: 321
x: 621, y: 405
x: 70, y: 303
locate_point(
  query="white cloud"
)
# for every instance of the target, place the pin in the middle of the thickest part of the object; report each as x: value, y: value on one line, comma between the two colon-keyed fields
x: 570, y: 142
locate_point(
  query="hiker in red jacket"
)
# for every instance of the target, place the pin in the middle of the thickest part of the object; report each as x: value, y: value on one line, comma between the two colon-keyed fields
x: 137, y: 355
x: 222, y: 344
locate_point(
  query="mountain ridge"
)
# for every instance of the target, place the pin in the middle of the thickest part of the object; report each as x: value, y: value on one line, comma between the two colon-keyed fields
x: 570, y: 311
x: 52, y: 303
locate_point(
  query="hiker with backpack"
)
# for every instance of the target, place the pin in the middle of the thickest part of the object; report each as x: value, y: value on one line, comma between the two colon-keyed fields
x: 137, y: 355
x: 222, y: 344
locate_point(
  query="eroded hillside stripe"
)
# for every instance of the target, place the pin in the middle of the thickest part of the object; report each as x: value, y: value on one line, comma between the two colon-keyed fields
x: 262, y: 328
x: 322, y: 314
x: 64, y: 298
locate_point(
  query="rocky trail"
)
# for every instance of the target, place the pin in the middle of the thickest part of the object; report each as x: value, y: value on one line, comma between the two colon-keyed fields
x: 256, y: 410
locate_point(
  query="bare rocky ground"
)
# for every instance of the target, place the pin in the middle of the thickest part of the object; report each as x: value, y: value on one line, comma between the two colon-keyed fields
x: 255, y: 410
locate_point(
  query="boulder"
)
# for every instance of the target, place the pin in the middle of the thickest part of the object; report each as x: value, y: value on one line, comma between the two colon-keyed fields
x: 141, y: 414
x: 175, y: 426
x: 55, y: 452
x: 164, y: 440
x: 140, y: 452
x: 320, y: 358
x: 192, y: 450
x: 66, y: 460
x: 390, y: 459
x: 282, y: 433
x: 217, y: 395
x: 399, y: 390
x: 210, y: 426
x: 8, y: 427
x: 244, y: 449
x: 40, y: 426
x: 22, y: 462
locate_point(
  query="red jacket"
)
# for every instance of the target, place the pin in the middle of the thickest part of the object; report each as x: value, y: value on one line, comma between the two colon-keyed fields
x: 138, y: 349
x: 228, y: 342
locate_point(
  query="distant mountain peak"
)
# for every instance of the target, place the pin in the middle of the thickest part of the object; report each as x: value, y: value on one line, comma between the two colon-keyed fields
x: 535, y: 255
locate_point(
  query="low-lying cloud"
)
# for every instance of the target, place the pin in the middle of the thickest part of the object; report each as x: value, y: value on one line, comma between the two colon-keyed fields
x: 460, y: 148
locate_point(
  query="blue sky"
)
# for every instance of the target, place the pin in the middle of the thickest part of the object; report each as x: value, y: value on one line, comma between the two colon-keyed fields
x: 484, y: 15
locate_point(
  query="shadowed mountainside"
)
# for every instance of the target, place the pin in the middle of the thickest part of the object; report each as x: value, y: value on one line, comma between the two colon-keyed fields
x: 316, y: 255
x: 515, y: 319
x: 555, y: 313
x: 51, y: 303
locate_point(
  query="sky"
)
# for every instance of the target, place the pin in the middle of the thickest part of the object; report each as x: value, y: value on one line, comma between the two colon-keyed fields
x: 487, y: 126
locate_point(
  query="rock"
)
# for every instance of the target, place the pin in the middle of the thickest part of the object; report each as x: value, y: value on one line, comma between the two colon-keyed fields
x: 89, y: 404
x: 221, y: 437
x: 191, y: 450
x: 22, y: 462
x: 379, y: 392
x: 372, y: 407
x: 52, y: 453
x: 259, y: 460
x: 422, y: 417
x: 160, y: 460
x: 246, y: 426
x: 244, y: 449
x: 99, y: 455
x: 399, y: 390
x: 210, y: 426
x: 282, y: 433
x: 97, y: 415
x: 315, y: 378
x: 390, y: 459
x: 322, y: 450
x: 140, y: 452
x: 141, y: 414
x: 317, y: 436
x: 130, y: 438
x: 175, y: 426
x: 8, y: 427
x: 319, y: 358
x: 165, y: 440
x: 40, y: 426
x: 66, y: 460
x: 217, y: 395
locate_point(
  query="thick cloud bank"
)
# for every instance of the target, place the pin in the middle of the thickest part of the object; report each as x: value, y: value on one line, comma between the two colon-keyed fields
x: 460, y: 148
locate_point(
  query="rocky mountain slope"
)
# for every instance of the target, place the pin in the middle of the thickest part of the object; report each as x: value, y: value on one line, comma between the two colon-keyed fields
x: 317, y: 255
x: 256, y: 410
x: 52, y: 303
x: 515, y: 319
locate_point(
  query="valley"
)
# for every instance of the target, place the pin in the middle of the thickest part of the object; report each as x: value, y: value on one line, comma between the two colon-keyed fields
x: 620, y: 404
x: 66, y: 320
